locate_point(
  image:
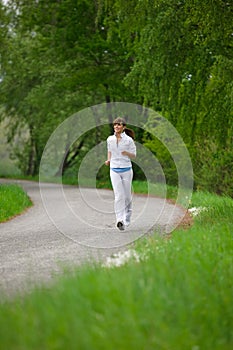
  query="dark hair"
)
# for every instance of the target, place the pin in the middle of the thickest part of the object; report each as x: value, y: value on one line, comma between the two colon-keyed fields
x: 128, y: 131
x: 120, y: 121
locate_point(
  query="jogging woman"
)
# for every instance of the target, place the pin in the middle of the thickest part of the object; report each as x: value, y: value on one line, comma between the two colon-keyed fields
x: 121, y: 149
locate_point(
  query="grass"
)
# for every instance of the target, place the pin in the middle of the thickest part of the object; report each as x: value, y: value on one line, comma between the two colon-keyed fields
x: 179, y: 296
x: 13, y: 201
x: 160, y: 190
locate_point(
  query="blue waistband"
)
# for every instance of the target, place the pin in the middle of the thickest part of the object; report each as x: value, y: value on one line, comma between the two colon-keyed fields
x: 121, y: 170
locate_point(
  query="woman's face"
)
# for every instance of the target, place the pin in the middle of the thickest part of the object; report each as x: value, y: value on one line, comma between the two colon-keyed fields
x: 118, y: 127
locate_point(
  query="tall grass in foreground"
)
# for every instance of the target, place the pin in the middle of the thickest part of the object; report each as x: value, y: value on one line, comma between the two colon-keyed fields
x: 178, y: 297
x: 13, y: 200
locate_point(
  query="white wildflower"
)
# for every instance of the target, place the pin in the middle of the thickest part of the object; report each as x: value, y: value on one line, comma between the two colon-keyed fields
x: 196, y: 210
x: 121, y: 258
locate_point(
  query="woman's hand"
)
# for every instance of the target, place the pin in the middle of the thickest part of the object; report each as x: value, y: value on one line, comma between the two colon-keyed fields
x: 130, y: 155
x: 107, y: 162
x: 124, y: 153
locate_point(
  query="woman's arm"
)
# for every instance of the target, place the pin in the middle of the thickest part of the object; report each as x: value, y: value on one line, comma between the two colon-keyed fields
x: 107, y: 162
x: 130, y: 155
x: 131, y: 152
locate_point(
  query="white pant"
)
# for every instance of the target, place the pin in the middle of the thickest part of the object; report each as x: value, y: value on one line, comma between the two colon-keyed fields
x: 121, y: 183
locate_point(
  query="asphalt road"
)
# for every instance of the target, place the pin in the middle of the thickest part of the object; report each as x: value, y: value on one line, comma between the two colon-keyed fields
x: 68, y: 226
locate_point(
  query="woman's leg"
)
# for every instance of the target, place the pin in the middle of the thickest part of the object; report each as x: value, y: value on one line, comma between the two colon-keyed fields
x: 127, y: 178
x: 119, y: 194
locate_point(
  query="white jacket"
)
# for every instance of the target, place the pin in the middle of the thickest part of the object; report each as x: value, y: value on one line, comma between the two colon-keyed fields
x: 125, y: 144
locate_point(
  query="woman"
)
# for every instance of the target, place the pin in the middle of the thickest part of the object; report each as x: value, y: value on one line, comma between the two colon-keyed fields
x: 121, y: 149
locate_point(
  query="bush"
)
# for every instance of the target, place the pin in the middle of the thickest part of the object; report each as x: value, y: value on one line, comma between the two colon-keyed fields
x: 213, y: 168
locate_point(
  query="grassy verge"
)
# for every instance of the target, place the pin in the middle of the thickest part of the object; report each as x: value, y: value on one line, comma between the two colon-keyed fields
x: 176, y: 295
x: 13, y: 201
x: 160, y: 190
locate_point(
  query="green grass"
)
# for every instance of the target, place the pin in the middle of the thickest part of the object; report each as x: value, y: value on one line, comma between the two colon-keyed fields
x: 178, y: 297
x: 13, y: 201
x: 160, y: 190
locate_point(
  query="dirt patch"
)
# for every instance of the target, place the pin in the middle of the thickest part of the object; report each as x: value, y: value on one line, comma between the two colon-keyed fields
x: 186, y: 222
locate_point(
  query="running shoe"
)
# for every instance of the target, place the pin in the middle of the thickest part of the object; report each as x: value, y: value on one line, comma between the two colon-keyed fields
x: 121, y: 225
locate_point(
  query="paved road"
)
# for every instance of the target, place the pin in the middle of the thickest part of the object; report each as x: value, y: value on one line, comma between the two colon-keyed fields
x: 68, y: 226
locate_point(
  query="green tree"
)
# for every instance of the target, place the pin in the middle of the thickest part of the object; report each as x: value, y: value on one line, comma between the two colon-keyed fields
x: 182, y: 63
x: 57, y: 61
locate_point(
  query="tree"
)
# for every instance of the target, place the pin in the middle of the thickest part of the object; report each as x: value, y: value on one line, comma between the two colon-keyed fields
x: 182, y: 62
x: 57, y: 61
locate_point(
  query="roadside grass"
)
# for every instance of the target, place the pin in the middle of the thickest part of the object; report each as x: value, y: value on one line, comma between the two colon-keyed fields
x: 176, y: 295
x: 160, y: 190
x: 13, y: 201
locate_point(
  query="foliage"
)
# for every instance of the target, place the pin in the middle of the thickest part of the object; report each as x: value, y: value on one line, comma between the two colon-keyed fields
x: 13, y: 201
x: 214, y: 167
x: 50, y: 72
x: 182, y: 65
x: 177, y: 295
x: 176, y: 57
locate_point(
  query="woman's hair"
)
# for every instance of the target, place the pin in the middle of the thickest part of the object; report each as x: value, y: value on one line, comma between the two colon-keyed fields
x: 128, y: 131
x: 120, y: 121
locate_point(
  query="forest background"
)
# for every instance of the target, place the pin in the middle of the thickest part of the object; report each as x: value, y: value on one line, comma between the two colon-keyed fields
x: 58, y: 57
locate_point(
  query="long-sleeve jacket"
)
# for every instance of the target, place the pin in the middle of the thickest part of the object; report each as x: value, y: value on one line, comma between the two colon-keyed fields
x: 125, y: 144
